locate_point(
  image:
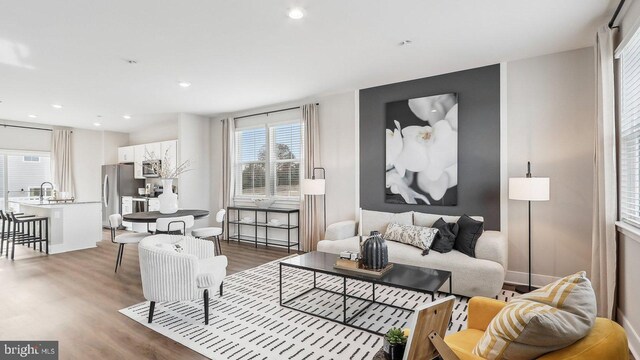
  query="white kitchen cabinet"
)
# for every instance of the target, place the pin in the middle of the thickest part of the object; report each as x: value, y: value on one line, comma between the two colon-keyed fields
x: 154, y: 204
x: 125, y: 154
x: 170, y: 151
x: 138, y: 154
x: 153, y: 151
x: 127, y: 208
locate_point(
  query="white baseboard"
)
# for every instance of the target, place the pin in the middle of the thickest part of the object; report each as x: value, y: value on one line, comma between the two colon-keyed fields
x: 522, y: 278
x: 632, y: 334
x: 61, y: 248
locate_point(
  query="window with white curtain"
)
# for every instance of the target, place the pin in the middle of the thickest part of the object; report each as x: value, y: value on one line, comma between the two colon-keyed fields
x: 630, y: 132
x: 269, y: 157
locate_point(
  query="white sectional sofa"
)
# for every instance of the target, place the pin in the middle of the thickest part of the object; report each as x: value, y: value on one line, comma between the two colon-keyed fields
x: 480, y: 276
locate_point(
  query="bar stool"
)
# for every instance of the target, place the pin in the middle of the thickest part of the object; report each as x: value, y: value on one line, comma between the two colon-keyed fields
x: 6, y: 231
x: 29, y: 230
x: 212, y: 232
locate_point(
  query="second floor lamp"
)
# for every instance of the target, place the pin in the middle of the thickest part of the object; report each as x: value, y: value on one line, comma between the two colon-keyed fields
x: 529, y: 189
x: 316, y: 187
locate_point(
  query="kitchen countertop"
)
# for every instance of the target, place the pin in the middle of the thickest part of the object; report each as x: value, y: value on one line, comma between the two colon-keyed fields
x: 46, y: 204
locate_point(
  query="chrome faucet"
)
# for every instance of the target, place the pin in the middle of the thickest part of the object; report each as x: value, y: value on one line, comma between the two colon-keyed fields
x: 42, y: 190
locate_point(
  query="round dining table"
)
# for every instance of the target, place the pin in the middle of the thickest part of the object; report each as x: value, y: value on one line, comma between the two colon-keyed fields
x: 152, y: 216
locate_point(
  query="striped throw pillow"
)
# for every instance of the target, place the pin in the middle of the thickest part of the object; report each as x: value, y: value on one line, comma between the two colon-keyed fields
x: 544, y: 320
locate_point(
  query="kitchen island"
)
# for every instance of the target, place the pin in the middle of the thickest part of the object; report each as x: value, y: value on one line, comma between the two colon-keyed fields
x: 72, y: 226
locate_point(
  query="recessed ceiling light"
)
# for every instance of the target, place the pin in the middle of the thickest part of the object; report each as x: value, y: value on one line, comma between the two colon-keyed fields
x: 184, y: 84
x: 33, y: 116
x: 405, y: 42
x: 296, y: 13
x: 126, y: 116
x: 97, y: 124
x: 56, y: 106
x: 434, y: 110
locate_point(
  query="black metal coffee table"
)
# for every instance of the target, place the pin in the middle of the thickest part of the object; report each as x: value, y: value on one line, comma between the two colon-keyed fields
x: 401, y: 276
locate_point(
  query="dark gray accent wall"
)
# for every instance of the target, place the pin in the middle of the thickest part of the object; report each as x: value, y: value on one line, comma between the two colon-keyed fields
x: 478, y: 141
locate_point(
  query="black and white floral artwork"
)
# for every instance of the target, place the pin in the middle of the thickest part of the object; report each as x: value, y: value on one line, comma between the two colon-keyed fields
x: 422, y: 151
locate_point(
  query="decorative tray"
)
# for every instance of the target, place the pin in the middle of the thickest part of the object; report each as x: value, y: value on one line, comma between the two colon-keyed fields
x: 358, y: 267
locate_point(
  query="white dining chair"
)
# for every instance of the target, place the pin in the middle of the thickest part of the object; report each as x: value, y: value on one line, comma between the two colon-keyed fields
x: 179, y: 268
x: 115, y: 221
x: 212, y: 232
x: 174, y: 225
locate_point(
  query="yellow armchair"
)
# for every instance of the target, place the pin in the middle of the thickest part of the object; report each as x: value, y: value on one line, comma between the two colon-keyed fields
x: 606, y: 340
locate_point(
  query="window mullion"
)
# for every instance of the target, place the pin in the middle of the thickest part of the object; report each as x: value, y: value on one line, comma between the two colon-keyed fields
x: 267, y: 166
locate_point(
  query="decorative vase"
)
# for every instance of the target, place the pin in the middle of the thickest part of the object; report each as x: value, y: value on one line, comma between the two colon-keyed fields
x: 375, y: 254
x: 168, y: 200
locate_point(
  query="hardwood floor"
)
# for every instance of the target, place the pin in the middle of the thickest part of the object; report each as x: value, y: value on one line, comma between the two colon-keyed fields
x: 74, y: 298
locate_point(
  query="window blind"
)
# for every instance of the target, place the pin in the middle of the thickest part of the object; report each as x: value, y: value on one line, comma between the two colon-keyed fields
x: 630, y: 132
x: 269, y: 159
x: 286, y: 150
x: 251, y: 162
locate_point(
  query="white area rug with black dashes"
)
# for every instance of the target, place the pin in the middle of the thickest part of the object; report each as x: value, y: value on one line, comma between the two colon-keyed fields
x: 249, y: 323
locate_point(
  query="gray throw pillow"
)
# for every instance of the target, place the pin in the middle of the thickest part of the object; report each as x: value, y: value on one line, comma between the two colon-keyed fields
x: 418, y: 236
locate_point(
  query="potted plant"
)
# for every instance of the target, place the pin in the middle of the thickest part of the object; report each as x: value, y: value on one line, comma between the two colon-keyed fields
x: 395, y: 342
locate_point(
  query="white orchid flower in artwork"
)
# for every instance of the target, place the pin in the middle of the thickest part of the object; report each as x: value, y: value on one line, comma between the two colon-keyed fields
x: 435, y: 188
x: 442, y: 149
x: 452, y: 117
x: 394, y: 145
x: 441, y: 172
x: 414, y: 155
x: 400, y: 185
x: 432, y: 108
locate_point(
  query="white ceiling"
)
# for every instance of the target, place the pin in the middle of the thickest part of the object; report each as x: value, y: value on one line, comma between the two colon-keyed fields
x: 247, y: 53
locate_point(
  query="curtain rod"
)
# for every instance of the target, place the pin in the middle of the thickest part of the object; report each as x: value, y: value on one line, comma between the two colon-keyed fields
x: 269, y: 112
x: 615, y: 14
x: 27, y: 127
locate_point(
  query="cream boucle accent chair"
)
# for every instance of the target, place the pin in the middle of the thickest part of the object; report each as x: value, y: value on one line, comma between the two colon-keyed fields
x: 169, y: 275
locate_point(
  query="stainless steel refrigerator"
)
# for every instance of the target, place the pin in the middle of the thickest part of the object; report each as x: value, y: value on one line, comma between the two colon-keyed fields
x: 117, y: 181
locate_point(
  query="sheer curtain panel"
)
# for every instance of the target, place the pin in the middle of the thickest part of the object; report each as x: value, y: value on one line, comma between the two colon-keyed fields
x: 228, y: 149
x: 310, y: 213
x: 603, y: 260
x: 61, y: 164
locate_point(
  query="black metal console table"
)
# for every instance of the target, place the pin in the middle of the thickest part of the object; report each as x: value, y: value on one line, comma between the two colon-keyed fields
x: 236, y: 220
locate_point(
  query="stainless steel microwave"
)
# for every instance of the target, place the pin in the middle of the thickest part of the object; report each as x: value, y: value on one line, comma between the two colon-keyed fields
x: 149, y: 168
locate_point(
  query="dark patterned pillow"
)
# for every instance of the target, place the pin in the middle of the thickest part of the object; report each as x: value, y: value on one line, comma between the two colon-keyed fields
x: 418, y: 236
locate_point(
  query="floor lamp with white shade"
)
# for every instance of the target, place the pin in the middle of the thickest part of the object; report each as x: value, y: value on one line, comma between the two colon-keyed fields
x: 528, y: 189
x: 315, y: 187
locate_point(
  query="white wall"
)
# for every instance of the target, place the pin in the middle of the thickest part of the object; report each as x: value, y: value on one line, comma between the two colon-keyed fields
x: 90, y: 150
x: 163, y: 131
x: 338, y: 154
x: 86, y: 157
x: 551, y: 114
x: 24, y: 139
x: 194, y: 187
x: 628, y: 289
x: 111, y: 141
